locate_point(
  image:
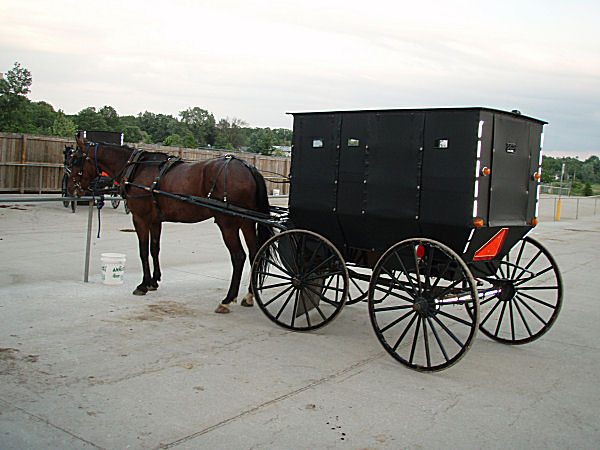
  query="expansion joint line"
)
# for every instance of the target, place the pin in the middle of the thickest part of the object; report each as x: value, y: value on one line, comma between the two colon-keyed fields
x: 271, y: 402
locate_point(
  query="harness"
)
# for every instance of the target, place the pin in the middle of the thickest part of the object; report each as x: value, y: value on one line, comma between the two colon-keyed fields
x: 127, y: 173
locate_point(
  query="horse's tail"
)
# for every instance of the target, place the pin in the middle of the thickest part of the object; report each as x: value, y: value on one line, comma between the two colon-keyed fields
x: 264, y: 232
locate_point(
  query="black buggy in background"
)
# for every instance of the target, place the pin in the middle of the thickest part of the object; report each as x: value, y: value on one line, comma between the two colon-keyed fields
x: 103, y: 185
x: 422, y: 212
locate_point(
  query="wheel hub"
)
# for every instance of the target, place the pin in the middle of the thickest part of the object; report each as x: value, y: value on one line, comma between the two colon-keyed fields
x: 424, y: 307
x: 507, y: 291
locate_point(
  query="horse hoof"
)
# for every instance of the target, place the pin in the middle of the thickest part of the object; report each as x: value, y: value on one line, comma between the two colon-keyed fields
x: 248, y: 300
x: 139, y: 291
x: 152, y: 288
x: 222, y: 309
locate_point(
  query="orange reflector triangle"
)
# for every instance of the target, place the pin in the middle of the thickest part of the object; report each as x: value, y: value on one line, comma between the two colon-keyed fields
x: 492, y: 247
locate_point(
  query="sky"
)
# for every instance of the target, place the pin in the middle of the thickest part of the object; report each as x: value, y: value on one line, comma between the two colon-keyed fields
x: 257, y: 60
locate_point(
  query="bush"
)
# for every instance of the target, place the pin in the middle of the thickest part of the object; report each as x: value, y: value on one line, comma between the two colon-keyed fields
x: 587, y: 190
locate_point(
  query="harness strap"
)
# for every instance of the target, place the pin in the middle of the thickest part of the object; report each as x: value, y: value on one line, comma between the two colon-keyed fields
x: 223, y: 170
x: 129, y: 170
x: 170, y: 162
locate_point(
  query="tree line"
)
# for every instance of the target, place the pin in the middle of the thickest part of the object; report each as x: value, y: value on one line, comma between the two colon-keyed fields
x: 194, y: 127
x: 580, y: 175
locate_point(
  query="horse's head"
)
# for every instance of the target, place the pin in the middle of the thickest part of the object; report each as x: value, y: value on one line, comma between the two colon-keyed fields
x: 83, y: 169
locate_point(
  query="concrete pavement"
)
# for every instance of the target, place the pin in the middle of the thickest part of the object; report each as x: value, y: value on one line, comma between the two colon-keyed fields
x: 85, y: 365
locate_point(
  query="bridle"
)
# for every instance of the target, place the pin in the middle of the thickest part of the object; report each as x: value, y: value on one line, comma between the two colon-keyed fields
x: 78, y: 161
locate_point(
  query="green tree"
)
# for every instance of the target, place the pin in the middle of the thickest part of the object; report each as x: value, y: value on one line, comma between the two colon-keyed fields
x: 132, y: 133
x: 261, y: 140
x: 62, y: 126
x: 40, y: 117
x: 230, y: 133
x: 173, y: 140
x: 201, y: 124
x: 13, y: 100
x: 88, y: 119
x: 111, y: 118
x: 587, y: 190
x: 190, y: 141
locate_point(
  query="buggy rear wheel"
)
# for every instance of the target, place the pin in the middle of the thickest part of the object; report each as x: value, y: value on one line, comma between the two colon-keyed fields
x: 65, y: 190
x: 300, y: 280
x: 423, y: 304
x: 523, y: 296
x: 115, y: 202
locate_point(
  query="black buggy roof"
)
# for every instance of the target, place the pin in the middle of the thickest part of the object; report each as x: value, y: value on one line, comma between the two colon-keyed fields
x: 408, y: 110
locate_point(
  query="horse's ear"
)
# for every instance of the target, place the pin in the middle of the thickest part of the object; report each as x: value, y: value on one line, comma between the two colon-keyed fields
x: 80, y: 142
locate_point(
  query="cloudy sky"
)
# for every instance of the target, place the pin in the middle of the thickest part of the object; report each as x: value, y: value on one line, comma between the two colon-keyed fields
x: 259, y: 59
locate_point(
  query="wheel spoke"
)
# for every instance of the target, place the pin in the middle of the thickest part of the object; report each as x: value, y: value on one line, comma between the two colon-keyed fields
x: 512, y: 320
x: 273, y: 275
x: 489, y: 314
x: 295, y: 310
x: 333, y: 303
x: 532, y: 310
x: 396, y: 322
x: 279, y: 295
x: 537, y: 274
x: 392, y: 308
x: 437, y: 338
x: 270, y: 261
x: 529, y: 264
x: 426, y: 339
x: 500, y: 319
x: 523, y: 319
x: 404, y: 332
x: 457, y: 319
x: 287, y: 300
x: 316, y: 306
x: 518, y: 259
x: 537, y: 300
x: 314, y: 269
x: 407, y: 273
x: 415, y: 339
x: 394, y: 294
x: 305, y: 308
x: 271, y: 286
x: 450, y: 333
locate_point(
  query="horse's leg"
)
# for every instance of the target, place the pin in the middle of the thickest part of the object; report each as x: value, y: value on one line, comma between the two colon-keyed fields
x: 249, y: 232
x: 231, y: 236
x: 143, y: 232
x: 155, y: 230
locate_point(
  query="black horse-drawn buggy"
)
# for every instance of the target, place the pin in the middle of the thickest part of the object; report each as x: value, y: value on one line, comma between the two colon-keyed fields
x: 421, y: 213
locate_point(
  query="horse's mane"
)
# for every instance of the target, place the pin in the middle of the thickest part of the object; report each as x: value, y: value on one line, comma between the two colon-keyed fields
x: 148, y: 155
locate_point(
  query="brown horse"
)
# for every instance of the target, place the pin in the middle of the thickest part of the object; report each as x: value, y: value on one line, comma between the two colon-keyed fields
x: 229, y: 179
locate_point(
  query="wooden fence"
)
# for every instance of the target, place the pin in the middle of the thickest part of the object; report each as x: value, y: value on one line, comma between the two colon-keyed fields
x: 31, y: 163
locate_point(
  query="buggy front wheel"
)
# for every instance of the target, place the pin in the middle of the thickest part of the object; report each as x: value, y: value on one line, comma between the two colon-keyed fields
x: 423, y: 304
x: 300, y: 280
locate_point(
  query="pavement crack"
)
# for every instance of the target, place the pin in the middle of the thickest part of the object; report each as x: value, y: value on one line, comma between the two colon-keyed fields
x: 50, y: 424
x: 256, y: 408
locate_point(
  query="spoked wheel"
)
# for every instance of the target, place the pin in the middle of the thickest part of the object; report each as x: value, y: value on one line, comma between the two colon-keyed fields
x: 523, y: 296
x: 423, y: 304
x: 300, y: 280
x: 65, y: 191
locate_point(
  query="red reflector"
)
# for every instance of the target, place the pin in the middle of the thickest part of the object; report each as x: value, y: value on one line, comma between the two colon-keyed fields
x: 420, y: 251
x: 492, y: 247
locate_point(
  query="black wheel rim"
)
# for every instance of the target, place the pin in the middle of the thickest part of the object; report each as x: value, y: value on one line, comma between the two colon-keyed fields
x: 300, y: 280
x: 423, y: 304
x: 65, y: 191
x: 522, y: 299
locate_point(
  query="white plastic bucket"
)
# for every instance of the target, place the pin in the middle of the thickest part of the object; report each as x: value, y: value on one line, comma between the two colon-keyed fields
x: 113, y: 268
x: 276, y: 191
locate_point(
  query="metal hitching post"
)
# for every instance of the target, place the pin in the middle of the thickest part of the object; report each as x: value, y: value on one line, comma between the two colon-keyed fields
x: 87, y: 244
